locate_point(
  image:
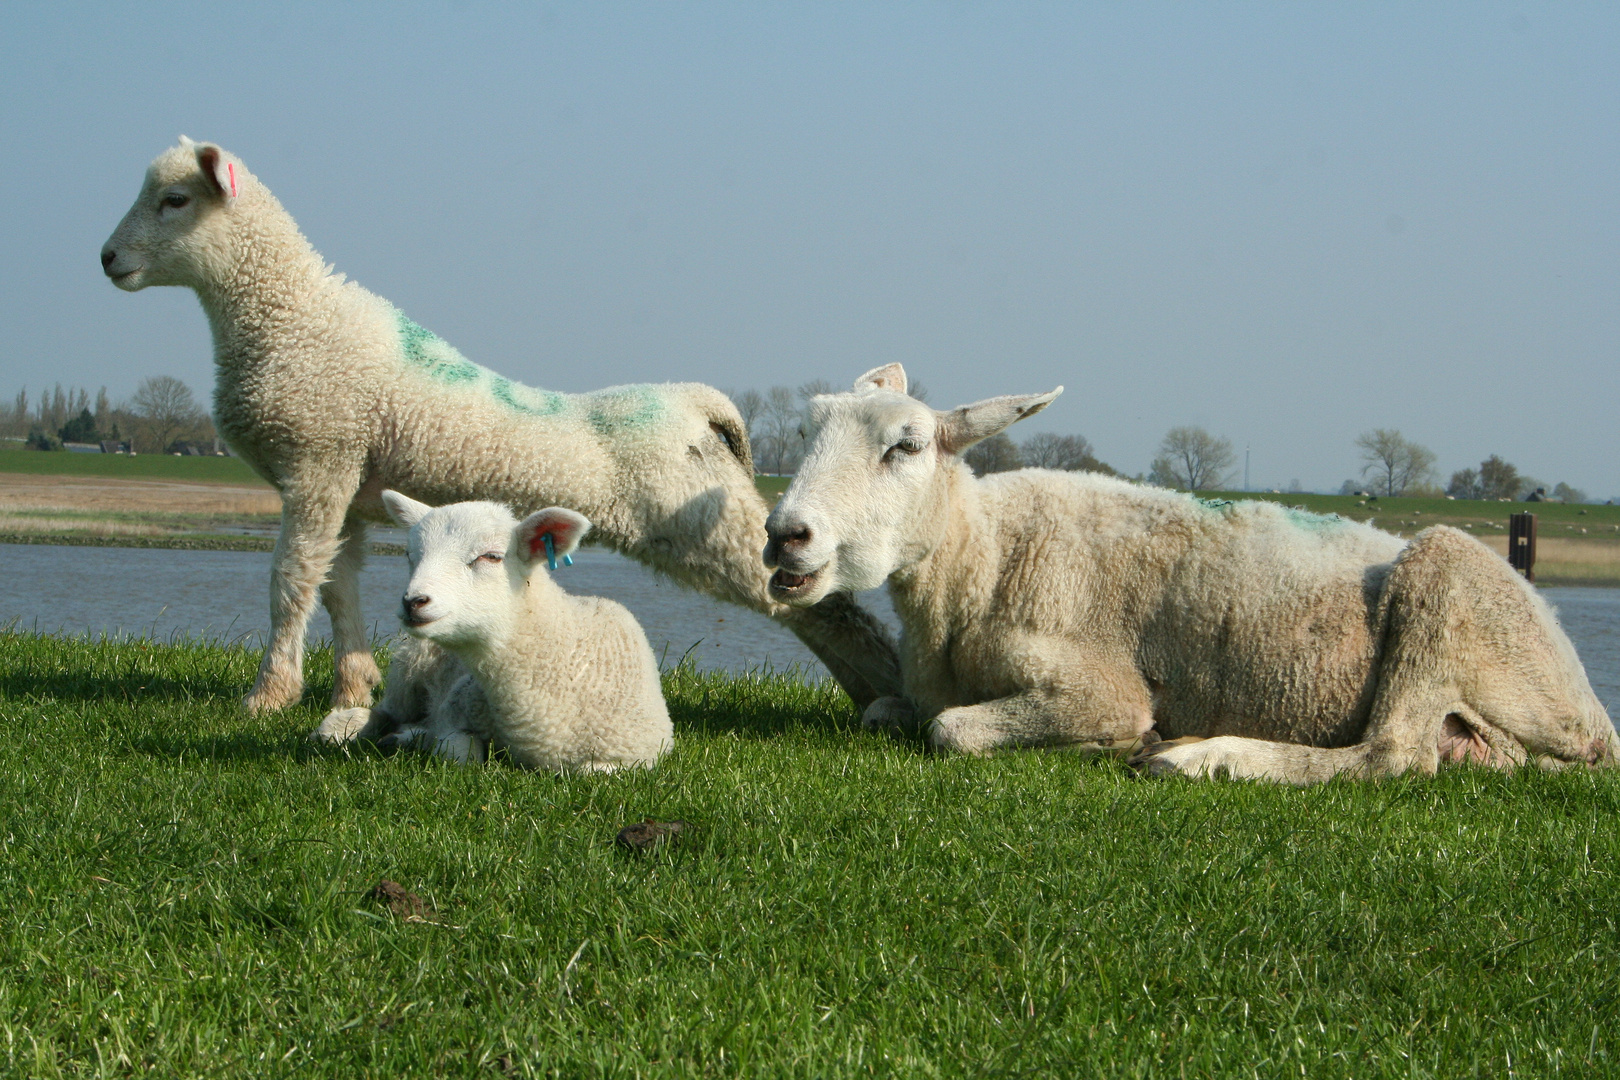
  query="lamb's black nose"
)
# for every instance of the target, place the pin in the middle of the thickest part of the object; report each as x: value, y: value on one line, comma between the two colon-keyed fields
x: 107, y: 257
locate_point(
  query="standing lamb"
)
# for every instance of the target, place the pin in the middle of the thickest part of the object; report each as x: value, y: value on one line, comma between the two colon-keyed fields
x: 1043, y: 608
x: 506, y: 660
x: 332, y: 394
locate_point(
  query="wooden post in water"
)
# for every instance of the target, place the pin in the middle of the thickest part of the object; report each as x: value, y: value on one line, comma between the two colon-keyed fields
x: 1522, y: 544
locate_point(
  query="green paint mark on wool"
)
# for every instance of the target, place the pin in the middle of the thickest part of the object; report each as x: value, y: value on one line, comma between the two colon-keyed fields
x: 620, y: 407
x: 1305, y: 519
x: 1212, y: 504
x: 433, y: 354
x: 440, y: 361
x: 526, y: 399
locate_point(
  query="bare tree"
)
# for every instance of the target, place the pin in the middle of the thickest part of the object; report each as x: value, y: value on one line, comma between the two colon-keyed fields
x: 995, y: 454
x: 1071, y: 452
x: 780, y: 427
x: 813, y: 387
x: 166, y: 409
x: 1498, y: 479
x: 1394, y: 462
x: 1193, y: 459
x: 917, y: 390
x: 1464, y: 484
x: 751, y: 407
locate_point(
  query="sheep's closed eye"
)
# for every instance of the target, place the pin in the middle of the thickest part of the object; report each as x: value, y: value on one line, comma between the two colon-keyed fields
x: 911, y: 444
x: 176, y: 199
x: 490, y: 557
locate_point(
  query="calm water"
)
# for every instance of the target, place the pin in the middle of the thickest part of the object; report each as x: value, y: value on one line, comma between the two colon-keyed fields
x: 168, y: 594
x: 226, y: 594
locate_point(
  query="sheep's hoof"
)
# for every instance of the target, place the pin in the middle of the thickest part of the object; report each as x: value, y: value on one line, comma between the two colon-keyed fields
x: 890, y: 714
x: 260, y: 702
x: 340, y: 726
x: 1152, y: 759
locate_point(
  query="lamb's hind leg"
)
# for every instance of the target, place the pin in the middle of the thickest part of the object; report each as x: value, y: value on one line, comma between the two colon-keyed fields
x: 304, y: 553
x: 355, y: 669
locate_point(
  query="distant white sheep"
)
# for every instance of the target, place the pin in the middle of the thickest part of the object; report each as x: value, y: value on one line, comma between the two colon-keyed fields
x: 1044, y: 608
x: 332, y: 394
x: 508, y: 660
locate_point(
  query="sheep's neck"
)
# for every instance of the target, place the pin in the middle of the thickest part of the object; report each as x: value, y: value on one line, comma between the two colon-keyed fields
x: 271, y: 279
x: 953, y: 580
x: 505, y: 664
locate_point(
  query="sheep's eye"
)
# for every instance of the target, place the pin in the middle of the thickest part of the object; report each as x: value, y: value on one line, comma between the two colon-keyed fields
x: 176, y: 199
x: 911, y: 444
x: 490, y: 557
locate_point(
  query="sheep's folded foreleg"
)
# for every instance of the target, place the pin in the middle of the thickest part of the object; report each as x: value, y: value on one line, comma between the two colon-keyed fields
x: 1039, y: 717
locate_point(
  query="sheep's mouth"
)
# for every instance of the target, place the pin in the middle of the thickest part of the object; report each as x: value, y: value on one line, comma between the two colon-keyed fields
x: 414, y: 621
x: 788, y: 584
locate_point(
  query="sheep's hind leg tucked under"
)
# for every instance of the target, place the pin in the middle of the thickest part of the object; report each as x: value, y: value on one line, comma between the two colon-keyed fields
x: 304, y: 552
x: 355, y: 669
x: 1474, y: 668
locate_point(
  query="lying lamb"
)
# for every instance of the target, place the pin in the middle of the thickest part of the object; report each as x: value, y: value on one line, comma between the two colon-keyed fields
x: 1044, y: 608
x: 502, y: 658
x: 331, y: 394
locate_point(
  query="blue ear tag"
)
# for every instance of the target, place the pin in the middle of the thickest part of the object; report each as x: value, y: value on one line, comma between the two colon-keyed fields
x: 551, y: 554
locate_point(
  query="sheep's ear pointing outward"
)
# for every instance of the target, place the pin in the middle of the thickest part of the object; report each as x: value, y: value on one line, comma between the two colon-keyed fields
x: 405, y: 510
x: 222, y: 174
x: 961, y: 428
x: 888, y: 377
x: 565, y: 527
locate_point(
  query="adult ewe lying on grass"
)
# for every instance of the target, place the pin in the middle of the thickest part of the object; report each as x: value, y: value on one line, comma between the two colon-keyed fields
x: 331, y: 394
x: 503, y: 658
x: 1043, y: 608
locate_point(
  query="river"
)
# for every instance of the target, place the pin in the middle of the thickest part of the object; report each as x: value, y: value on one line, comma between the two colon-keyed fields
x: 166, y: 595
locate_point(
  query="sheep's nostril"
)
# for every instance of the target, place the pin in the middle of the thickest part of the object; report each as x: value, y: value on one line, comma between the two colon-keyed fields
x: 107, y: 257
x: 798, y: 537
x: 417, y: 603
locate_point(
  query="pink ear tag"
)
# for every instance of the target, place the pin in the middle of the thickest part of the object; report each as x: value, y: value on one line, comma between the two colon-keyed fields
x: 230, y: 170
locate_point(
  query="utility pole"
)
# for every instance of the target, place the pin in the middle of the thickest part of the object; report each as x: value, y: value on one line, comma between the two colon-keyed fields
x: 1245, y: 468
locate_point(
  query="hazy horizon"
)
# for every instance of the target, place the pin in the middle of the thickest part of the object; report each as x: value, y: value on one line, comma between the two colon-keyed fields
x: 1285, y: 224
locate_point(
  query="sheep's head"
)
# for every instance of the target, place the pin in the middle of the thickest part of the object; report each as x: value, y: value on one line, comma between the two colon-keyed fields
x: 468, y: 561
x: 177, y: 233
x: 873, y: 473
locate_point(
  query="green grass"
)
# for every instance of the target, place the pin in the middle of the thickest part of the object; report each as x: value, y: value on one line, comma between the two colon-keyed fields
x: 183, y: 891
x: 221, y: 470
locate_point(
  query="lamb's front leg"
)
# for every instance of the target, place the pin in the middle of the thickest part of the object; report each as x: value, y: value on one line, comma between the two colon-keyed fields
x: 355, y: 669
x: 310, y: 525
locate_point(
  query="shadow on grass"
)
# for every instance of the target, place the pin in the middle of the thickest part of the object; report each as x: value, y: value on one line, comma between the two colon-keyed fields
x: 758, y: 705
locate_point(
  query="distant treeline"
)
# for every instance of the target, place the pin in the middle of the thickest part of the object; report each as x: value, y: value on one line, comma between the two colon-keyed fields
x: 162, y: 416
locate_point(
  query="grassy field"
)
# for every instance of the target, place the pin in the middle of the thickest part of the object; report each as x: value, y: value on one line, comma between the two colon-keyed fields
x: 216, y: 470
x: 186, y: 892
x: 187, y: 501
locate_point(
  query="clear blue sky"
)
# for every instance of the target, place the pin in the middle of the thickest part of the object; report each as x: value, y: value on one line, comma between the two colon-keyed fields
x: 1288, y: 223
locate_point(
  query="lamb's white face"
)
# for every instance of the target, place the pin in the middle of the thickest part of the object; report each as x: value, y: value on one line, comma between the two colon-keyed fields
x: 177, y: 223
x: 468, y: 560
x: 857, y: 511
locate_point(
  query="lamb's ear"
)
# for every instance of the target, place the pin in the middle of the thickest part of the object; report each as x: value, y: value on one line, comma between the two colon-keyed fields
x: 961, y: 428
x: 405, y: 510
x: 221, y: 173
x: 887, y: 377
x: 565, y: 527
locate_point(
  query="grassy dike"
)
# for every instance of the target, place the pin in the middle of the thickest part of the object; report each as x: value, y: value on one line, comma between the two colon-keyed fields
x: 185, y: 892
